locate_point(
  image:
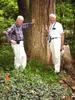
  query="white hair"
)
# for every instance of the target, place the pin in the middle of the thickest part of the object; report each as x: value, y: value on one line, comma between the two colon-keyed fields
x: 20, y: 17
x: 52, y: 15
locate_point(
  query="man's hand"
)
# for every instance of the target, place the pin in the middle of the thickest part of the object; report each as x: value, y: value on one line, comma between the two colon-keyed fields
x: 13, y: 41
x: 5, y: 32
x: 33, y: 21
x: 46, y: 28
x: 62, y: 48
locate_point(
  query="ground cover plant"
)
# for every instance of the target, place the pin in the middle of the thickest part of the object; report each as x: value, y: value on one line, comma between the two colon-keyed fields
x: 36, y: 82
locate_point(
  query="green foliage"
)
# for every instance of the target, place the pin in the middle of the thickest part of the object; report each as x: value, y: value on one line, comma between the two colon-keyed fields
x: 6, y: 57
x: 65, y: 14
x: 27, y: 86
x: 38, y: 68
x: 5, y: 23
x: 72, y: 47
x: 8, y: 8
x: 65, y: 11
x: 33, y: 83
x: 8, y: 12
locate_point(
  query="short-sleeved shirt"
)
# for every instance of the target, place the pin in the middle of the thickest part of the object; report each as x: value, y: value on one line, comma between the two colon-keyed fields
x: 55, y: 30
x: 15, y: 32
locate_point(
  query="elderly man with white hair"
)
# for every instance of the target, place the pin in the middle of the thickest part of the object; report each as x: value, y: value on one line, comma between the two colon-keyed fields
x: 15, y: 36
x: 55, y: 40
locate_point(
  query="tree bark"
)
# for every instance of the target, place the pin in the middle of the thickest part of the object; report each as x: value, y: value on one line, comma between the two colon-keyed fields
x: 36, y: 40
x: 40, y: 10
x: 67, y: 61
x: 23, y: 6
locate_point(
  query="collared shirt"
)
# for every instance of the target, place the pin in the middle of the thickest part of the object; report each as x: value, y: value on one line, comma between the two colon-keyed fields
x: 15, y: 32
x: 55, y: 30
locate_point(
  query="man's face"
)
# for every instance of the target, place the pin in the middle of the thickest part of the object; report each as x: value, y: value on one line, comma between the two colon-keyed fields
x: 19, y: 21
x: 52, y: 19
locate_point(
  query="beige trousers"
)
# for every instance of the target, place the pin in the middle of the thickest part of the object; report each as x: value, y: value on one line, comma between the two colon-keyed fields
x: 55, y: 46
x: 20, y: 58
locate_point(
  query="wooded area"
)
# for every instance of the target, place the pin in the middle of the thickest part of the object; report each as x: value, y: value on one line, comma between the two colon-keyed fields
x: 37, y: 74
x: 37, y: 47
x: 36, y: 38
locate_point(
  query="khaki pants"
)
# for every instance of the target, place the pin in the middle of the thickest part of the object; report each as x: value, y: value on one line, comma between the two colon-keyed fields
x: 55, y: 46
x: 20, y: 59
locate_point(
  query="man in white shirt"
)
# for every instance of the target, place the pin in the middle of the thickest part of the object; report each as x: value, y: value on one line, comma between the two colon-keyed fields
x: 56, y: 41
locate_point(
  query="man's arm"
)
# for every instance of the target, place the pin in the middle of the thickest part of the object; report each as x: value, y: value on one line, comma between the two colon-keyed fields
x: 8, y: 33
x: 26, y: 25
x: 46, y: 28
x: 62, y: 40
x: 61, y: 31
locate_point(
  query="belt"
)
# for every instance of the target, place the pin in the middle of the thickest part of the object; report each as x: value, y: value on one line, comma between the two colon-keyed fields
x: 50, y: 38
x: 18, y: 41
x: 54, y: 38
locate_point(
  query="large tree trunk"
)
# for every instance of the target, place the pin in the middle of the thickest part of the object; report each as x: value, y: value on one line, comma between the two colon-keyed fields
x: 40, y: 10
x: 23, y: 6
x: 36, y: 41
